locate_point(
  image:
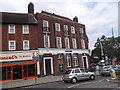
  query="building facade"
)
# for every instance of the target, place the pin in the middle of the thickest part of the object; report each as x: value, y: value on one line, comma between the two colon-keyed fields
x: 41, y: 44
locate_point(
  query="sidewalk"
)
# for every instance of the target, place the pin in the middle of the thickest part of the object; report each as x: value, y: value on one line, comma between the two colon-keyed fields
x: 20, y: 83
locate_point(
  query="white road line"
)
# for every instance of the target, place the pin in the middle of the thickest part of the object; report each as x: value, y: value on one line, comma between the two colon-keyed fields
x: 73, y: 86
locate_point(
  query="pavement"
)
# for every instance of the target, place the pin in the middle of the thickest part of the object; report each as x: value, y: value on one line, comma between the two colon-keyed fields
x: 35, y: 81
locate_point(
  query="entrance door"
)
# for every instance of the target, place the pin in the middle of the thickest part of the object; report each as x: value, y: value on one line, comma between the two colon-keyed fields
x: 48, y: 66
x: 85, y: 62
x: 17, y: 72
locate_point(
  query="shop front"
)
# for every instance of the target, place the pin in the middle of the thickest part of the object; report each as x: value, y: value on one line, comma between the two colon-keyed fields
x: 18, y: 69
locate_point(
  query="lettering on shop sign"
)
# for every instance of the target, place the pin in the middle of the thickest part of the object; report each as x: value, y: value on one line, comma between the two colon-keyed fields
x: 23, y: 56
x: 10, y: 57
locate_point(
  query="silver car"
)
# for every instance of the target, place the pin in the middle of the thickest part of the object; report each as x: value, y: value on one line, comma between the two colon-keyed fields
x: 76, y: 74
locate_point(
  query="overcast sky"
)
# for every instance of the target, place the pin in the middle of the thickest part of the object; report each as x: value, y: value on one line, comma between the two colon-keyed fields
x: 99, y: 16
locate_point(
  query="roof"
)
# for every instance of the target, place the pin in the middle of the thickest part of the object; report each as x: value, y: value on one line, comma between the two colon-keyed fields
x: 18, y: 18
x: 55, y: 15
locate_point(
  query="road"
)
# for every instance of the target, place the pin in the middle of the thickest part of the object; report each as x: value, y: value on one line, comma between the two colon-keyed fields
x: 99, y: 82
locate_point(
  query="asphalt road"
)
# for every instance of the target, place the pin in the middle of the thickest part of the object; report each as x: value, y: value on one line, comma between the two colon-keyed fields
x: 99, y: 82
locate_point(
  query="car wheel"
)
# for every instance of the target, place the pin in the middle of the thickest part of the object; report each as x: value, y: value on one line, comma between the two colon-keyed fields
x: 92, y: 77
x: 74, y: 80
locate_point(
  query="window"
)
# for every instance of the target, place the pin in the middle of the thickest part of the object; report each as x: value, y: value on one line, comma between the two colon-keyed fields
x: 61, y: 67
x: 45, y: 23
x: 66, y: 30
x: 83, y: 43
x: 67, y: 42
x: 60, y: 56
x: 68, y: 59
x: 46, y: 41
x: 73, y: 30
x: 25, y: 29
x: 74, y: 43
x: 75, y: 60
x: 57, y: 26
x: 58, y: 40
x: 77, y: 71
x: 11, y: 29
x: 26, y: 45
x: 81, y: 32
x: 12, y: 45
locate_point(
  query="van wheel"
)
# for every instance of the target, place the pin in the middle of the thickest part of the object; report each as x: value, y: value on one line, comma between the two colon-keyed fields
x: 74, y: 80
x: 92, y: 77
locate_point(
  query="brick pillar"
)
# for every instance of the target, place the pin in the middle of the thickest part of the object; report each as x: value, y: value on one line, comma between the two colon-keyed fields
x: 64, y: 62
x: 72, y: 61
x: 41, y: 65
x: 80, y: 60
x: 55, y: 64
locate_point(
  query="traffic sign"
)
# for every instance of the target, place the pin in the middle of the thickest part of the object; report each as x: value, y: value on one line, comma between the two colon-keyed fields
x: 35, y: 59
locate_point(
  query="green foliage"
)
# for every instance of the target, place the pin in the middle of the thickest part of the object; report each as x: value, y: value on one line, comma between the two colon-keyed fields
x: 110, y: 46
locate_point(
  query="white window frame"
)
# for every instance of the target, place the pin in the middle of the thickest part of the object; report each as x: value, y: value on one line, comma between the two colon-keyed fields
x: 9, y: 29
x: 25, y: 30
x: 67, y: 43
x: 48, y: 41
x: 57, y: 26
x: 65, y: 27
x: 14, y: 45
x: 81, y: 30
x: 72, y: 29
x: 59, y: 43
x: 68, y: 59
x: 24, y: 48
x: 83, y: 43
x: 74, y: 43
x: 75, y: 59
x: 45, y: 25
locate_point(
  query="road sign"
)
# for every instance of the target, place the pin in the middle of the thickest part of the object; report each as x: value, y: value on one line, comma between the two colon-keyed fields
x: 35, y: 59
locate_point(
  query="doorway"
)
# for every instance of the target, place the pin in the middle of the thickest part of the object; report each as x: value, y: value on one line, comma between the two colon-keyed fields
x: 85, y: 62
x: 48, y: 66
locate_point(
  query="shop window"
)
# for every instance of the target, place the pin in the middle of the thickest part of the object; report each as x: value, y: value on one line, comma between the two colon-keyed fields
x: 61, y: 67
x: 25, y: 70
x: 9, y: 72
x: 31, y: 70
x: 3, y: 73
x: 0, y: 71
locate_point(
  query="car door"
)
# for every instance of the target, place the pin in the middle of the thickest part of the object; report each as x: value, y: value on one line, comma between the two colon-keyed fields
x: 78, y: 74
x: 85, y: 73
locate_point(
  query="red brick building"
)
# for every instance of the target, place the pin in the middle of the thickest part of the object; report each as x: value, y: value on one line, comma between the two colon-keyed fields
x: 58, y: 42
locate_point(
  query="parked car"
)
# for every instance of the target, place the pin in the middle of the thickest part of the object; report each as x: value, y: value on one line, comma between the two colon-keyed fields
x: 76, y: 74
x: 106, y: 70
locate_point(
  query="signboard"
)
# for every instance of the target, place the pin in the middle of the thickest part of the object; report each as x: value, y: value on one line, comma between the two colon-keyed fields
x: 35, y: 59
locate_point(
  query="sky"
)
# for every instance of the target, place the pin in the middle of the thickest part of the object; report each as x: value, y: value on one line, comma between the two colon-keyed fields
x: 99, y: 16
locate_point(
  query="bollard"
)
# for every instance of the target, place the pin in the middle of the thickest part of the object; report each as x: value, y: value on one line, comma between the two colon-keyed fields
x: 113, y: 74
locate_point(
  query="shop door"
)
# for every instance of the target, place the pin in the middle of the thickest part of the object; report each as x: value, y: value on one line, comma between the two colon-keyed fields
x: 48, y: 66
x: 17, y: 72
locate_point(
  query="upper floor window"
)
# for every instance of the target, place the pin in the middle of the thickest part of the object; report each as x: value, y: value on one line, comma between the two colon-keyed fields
x: 74, y: 43
x: 83, y: 43
x: 45, y: 23
x: 81, y: 32
x: 58, y: 40
x: 12, y: 45
x: 68, y: 59
x: 46, y: 41
x: 26, y: 45
x: 60, y: 56
x: 67, y: 42
x: 66, y: 32
x: 72, y: 30
x: 57, y: 26
x: 11, y: 28
x: 25, y: 29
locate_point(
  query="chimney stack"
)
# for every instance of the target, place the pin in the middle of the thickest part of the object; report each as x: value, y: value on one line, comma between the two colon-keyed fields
x: 75, y: 19
x: 31, y: 8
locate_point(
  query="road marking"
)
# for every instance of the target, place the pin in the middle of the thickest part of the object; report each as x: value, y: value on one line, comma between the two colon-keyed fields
x: 73, y: 86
